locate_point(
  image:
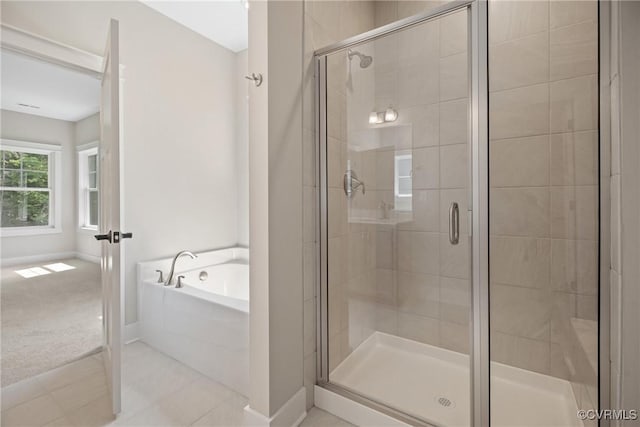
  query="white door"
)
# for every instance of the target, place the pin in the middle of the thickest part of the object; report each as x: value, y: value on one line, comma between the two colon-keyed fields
x: 111, y: 234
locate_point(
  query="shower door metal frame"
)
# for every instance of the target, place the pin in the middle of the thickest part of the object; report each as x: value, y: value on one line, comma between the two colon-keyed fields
x: 478, y: 205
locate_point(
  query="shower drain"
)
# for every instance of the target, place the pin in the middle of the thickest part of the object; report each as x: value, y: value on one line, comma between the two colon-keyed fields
x: 443, y: 401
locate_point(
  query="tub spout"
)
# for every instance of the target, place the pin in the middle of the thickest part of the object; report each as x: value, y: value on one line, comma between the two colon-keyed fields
x: 169, y: 281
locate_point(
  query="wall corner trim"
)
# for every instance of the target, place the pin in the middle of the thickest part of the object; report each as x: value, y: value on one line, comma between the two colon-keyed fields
x: 290, y: 414
x: 131, y: 332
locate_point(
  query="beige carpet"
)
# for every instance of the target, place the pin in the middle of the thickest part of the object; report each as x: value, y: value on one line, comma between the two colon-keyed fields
x: 48, y: 320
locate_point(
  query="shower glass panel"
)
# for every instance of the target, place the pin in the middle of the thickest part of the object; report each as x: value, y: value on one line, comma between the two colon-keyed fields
x: 543, y: 211
x: 397, y: 197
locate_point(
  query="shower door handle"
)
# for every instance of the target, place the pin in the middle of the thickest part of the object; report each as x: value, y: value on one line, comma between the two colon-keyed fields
x: 454, y: 224
x: 351, y: 183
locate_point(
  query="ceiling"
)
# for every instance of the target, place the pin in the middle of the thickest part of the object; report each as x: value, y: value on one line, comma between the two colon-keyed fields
x: 43, y: 89
x: 222, y: 21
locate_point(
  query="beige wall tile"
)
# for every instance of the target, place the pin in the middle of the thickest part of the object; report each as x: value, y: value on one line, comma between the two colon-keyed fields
x: 337, y: 214
x: 574, y: 212
x: 418, y: 252
x: 426, y: 168
x: 563, y: 13
x: 454, y: 121
x: 419, y: 294
x: 336, y: 107
x: 386, y: 88
x: 454, y: 76
x: 419, y: 328
x: 418, y: 43
x: 520, y: 211
x: 356, y: 17
x: 424, y: 122
x: 574, y: 50
x: 574, y: 158
x: 574, y: 104
x: 337, y: 261
x: 519, y: 162
x: 519, y: 112
x: 408, y: 8
x: 310, y: 378
x: 385, y: 169
x: 509, y: 20
x: 385, y: 12
x: 574, y: 266
x: 587, y: 307
x: 425, y: 214
x: 309, y: 157
x: 557, y: 362
x: 521, y: 352
x: 520, y: 261
x: 336, y: 162
x: 309, y: 270
x: 418, y: 83
x: 386, y: 286
x: 454, y: 259
x: 453, y: 33
x: 454, y: 336
x: 519, y: 62
x: 385, y: 249
x: 455, y: 300
x: 309, y: 327
x: 523, y: 312
x: 454, y: 166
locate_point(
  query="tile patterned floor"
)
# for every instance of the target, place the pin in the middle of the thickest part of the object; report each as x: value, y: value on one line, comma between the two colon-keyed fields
x: 156, y: 391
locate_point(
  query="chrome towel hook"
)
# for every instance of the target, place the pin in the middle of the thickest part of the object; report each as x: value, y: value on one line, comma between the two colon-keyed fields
x: 257, y: 79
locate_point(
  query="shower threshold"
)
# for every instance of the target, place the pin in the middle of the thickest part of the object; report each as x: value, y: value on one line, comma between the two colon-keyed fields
x: 432, y: 383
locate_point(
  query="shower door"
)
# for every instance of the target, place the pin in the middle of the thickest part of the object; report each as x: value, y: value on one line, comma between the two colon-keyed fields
x: 396, y: 135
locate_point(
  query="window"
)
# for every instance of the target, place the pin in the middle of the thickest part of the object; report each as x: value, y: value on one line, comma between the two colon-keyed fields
x: 88, y: 184
x: 28, y: 187
x: 403, y: 185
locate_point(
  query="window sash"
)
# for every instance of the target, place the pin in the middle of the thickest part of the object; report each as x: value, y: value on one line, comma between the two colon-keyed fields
x: 88, y: 170
x: 38, y: 149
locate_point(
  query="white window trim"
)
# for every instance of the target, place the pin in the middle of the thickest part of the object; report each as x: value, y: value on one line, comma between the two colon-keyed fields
x: 402, y: 201
x: 84, y: 151
x: 55, y: 186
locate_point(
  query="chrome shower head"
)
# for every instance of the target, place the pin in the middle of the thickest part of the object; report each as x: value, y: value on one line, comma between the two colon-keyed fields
x: 365, y: 60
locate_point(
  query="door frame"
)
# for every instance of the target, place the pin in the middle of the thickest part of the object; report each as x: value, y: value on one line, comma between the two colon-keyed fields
x: 47, y: 50
x: 478, y: 205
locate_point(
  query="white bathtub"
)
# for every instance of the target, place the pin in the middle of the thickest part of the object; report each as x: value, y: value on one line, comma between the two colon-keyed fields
x: 204, y: 324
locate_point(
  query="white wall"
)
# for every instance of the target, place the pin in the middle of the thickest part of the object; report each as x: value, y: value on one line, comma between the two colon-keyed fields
x: 86, y: 130
x: 27, y: 127
x: 178, y: 128
x: 275, y: 176
x: 242, y: 145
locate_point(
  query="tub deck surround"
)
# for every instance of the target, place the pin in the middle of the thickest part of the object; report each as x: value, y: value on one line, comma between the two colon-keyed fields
x: 204, y: 324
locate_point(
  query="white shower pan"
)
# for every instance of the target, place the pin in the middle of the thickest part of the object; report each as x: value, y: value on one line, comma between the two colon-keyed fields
x: 432, y: 383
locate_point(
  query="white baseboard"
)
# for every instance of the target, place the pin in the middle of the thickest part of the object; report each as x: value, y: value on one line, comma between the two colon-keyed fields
x: 30, y: 259
x: 9, y: 262
x: 87, y: 257
x: 351, y: 411
x: 131, y: 332
x: 290, y: 414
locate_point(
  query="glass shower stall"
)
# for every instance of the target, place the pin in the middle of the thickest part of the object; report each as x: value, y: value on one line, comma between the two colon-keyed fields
x: 458, y: 216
